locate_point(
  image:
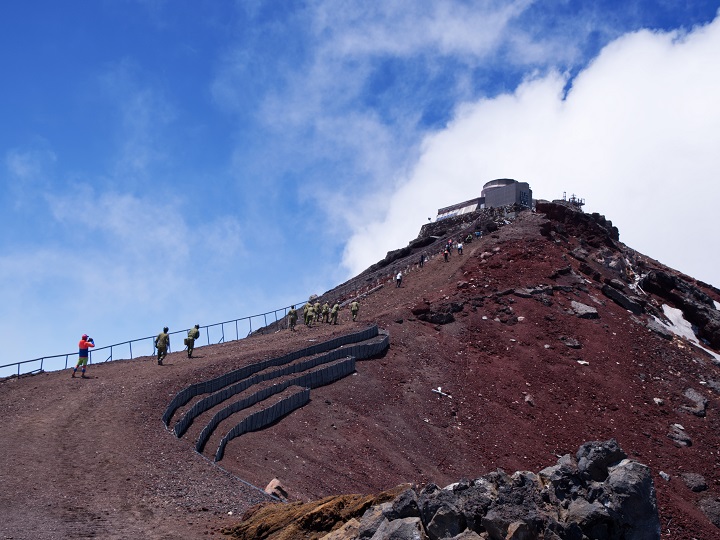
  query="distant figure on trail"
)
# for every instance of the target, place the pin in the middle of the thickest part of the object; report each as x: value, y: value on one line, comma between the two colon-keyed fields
x: 398, y: 279
x: 326, y: 313
x: 83, y: 354
x: 459, y: 248
x: 317, y: 310
x: 354, y: 308
x: 422, y: 260
x: 292, y: 318
x: 193, y: 334
x: 162, y: 342
x: 334, y: 312
x: 446, y: 254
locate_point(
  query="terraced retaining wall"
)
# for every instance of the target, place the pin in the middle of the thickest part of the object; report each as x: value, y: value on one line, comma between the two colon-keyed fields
x: 218, y: 383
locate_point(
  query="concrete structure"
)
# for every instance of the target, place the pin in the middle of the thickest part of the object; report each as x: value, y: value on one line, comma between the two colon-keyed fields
x: 506, y: 191
x: 500, y: 192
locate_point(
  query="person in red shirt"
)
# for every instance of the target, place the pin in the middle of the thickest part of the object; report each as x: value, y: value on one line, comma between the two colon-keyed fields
x: 84, y: 354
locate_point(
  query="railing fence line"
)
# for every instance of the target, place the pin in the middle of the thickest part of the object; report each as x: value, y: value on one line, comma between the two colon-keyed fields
x: 42, y: 361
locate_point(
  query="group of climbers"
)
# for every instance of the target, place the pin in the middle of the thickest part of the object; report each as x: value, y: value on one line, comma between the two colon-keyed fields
x: 162, y: 342
x: 314, y: 312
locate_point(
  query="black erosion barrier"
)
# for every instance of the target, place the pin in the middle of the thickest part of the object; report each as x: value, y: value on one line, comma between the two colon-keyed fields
x: 312, y: 379
x: 218, y: 383
x: 331, y: 360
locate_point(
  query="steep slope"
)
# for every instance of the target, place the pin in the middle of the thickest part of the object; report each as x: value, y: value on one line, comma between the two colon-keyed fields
x: 526, y: 374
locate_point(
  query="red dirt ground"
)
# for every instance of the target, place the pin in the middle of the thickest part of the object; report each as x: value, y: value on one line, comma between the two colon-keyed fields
x: 91, y: 458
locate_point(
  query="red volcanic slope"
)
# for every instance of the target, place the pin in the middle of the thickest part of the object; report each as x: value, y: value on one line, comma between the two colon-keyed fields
x: 92, y: 458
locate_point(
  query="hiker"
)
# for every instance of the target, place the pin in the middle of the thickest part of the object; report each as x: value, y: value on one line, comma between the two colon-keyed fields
x: 326, y: 313
x: 469, y: 238
x: 193, y: 334
x: 317, y: 310
x: 398, y: 279
x: 292, y: 318
x: 162, y: 342
x: 334, y: 312
x: 354, y: 308
x: 309, y: 315
x: 422, y: 259
x: 459, y: 248
x: 83, y: 354
x: 446, y: 254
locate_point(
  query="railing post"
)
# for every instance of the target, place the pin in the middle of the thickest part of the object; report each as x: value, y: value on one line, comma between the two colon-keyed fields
x: 131, y: 356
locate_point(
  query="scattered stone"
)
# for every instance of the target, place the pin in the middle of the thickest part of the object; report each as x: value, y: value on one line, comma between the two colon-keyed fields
x: 696, y: 482
x: 665, y: 476
x: 615, y: 284
x: 710, y: 506
x: 678, y: 436
x: 699, y: 402
x: 660, y: 329
x: 714, y: 385
x: 622, y: 300
x: 276, y: 489
x: 584, y: 311
x: 579, y: 253
x: 659, y: 402
x: 571, y: 342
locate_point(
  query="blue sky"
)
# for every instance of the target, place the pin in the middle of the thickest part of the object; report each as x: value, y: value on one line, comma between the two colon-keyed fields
x: 167, y: 163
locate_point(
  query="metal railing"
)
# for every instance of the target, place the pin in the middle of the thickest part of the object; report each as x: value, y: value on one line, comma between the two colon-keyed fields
x: 214, y: 333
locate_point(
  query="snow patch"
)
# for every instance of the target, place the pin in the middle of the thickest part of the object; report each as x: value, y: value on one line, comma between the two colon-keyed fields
x: 680, y: 326
x: 717, y: 305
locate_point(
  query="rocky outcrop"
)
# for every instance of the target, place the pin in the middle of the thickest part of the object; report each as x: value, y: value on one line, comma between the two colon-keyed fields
x: 697, y: 307
x: 567, y: 221
x: 598, y: 493
x: 631, y: 304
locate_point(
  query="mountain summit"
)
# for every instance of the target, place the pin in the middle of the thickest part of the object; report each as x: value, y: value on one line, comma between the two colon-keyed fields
x: 545, y: 333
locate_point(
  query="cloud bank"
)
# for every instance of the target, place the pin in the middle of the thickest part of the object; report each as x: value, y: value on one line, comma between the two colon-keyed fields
x: 636, y: 135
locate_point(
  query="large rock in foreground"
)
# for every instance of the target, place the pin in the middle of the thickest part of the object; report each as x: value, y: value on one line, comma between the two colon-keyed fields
x: 598, y: 494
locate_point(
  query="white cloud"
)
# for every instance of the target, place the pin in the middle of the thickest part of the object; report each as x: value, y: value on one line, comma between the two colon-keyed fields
x: 404, y: 28
x: 637, y: 137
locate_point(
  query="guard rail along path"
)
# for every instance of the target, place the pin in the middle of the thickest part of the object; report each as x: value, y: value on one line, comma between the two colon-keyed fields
x: 289, y: 377
x: 214, y: 333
